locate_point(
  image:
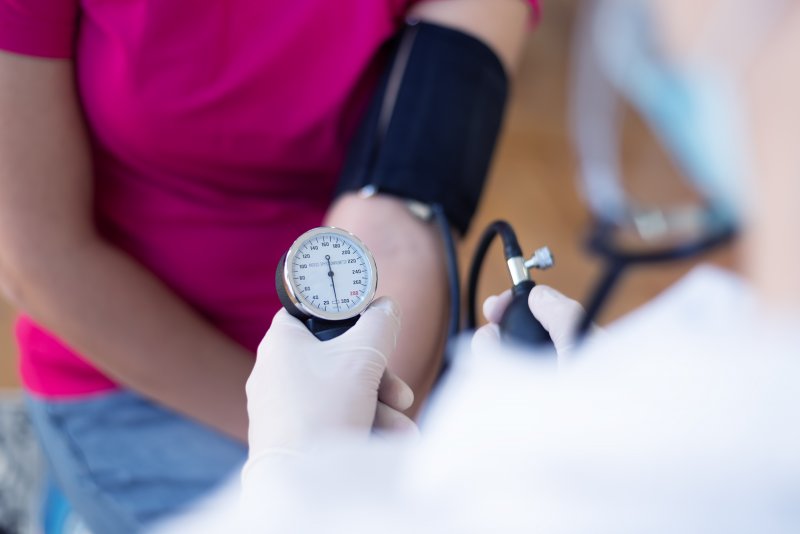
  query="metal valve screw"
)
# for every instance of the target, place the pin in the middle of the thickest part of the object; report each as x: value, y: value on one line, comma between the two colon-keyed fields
x: 542, y: 259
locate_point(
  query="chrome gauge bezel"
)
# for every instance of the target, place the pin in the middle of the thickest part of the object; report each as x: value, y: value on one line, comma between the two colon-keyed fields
x: 294, y: 294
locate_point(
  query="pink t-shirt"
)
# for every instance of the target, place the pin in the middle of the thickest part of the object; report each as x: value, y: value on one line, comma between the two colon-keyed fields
x: 218, y: 130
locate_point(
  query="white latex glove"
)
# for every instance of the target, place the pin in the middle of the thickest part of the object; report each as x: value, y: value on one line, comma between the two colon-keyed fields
x: 558, y: 314
x: 302, y: 389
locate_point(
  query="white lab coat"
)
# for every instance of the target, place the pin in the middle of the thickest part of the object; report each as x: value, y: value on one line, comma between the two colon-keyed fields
x: 681, y: 417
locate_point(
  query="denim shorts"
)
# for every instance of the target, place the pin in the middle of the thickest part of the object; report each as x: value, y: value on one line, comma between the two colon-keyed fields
x: 124, y: 462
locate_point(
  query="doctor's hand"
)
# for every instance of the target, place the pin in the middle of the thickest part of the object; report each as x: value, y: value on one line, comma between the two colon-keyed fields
x: 558, y: 314
x: 302, y: 389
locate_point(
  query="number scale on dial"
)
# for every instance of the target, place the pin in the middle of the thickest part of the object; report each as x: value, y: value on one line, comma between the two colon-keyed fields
x: 331, y: 273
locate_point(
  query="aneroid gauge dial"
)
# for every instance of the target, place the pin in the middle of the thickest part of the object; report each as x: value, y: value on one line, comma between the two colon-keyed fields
x: 326, y: 279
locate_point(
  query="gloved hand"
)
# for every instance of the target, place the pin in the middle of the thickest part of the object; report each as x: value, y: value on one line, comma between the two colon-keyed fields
x: 302, y: 389
x: 558, y: 314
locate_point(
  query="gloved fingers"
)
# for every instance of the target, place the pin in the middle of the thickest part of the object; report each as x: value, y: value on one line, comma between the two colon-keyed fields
x: 394, y: 392
x: 284, y: 330
x: 284, y: 326
x: 558, y: 314
x: 495, y: 305
x: 486, y: 339
x: 376, y: 330
x: 387, y: 419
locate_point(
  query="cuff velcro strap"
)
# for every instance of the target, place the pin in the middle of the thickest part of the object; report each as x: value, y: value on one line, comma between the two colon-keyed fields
x: 431, y: 128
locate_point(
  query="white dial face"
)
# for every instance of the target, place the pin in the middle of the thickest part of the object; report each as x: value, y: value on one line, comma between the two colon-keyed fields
x: 331, y: 273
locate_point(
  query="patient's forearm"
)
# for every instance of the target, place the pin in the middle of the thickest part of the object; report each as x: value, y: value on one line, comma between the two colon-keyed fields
x: 127, y: 323
x: 55, y: 267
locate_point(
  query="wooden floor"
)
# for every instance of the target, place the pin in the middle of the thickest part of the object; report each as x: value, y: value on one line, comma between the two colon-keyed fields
x: 532, y: 185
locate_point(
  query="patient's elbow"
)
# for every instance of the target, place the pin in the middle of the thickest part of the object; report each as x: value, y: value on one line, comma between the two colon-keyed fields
x: 21, y: 269
x: 10, y: 287
x: 32, y: 266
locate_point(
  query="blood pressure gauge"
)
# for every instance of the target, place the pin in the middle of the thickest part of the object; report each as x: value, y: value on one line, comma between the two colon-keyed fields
x: 326, y: 279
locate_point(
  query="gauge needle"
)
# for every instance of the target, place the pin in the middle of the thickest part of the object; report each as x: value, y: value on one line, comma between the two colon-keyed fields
x: 330, y: 273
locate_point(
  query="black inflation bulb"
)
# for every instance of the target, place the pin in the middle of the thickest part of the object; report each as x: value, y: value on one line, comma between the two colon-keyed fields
x: 518, y: 325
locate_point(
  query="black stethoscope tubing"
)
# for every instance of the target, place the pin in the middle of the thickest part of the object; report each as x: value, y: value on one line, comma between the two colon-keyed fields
x: 618, y: 261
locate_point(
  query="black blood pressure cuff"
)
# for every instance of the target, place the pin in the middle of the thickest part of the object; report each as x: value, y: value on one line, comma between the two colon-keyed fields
x: 431, y: 128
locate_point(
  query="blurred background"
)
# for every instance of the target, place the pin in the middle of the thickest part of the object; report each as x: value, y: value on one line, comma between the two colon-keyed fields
x: 532, y: 186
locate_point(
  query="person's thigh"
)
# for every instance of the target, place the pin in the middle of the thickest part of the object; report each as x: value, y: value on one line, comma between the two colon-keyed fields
x: 124, y: 462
